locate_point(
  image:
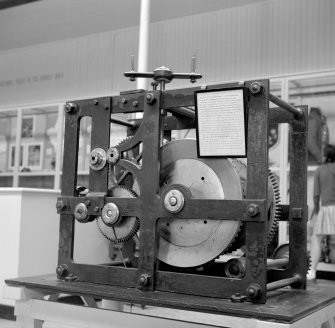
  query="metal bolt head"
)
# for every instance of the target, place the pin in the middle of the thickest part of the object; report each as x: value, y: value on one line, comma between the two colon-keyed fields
x: 110, y: 214
x: 95, y: 102
x: 70, y: 108
x: 124, y: 100
x: 61, y: 270
x: 253, y: 210
x: 113, y: 155
x: 150, y: 98
x: 88, y: 202
x: 173, y: 201
x: 81, y: 213
x: 96, y: 209
x: 143, y: 280
x: 59, y: 205
x: 254, y: 291
x: 97, y: 159
x: 135, y: 103
x: 238, y: 298
x: 257, y: 88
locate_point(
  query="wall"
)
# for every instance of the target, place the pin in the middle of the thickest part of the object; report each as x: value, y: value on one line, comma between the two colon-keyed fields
x: 265, y: 39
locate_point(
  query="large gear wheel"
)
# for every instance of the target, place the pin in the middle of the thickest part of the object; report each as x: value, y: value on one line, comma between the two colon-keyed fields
x: 126, y: 227
x: 194, y: 242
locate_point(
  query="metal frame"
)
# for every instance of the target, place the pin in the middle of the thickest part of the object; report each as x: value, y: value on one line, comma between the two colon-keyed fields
x: 149, y: 207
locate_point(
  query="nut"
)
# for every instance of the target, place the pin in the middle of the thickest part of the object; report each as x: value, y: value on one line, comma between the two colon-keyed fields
x: 254, y: 291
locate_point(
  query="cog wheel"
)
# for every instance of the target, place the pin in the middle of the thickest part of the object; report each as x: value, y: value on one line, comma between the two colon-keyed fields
x: 126, y: 227
x: 275, y: 212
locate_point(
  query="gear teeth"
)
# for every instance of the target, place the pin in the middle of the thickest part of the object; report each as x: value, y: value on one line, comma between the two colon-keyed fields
x: 276, y: 214
x: 123, y: 142
x: 236, y: 242
x: 134, y: 229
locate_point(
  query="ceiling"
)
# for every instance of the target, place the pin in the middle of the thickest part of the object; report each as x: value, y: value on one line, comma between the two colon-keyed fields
x: 50, y: 20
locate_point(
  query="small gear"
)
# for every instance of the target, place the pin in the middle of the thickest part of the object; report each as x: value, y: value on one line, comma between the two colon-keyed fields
x: 125, y: 228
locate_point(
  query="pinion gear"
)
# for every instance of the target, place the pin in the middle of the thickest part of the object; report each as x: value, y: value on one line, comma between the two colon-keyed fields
x: 125, y: 228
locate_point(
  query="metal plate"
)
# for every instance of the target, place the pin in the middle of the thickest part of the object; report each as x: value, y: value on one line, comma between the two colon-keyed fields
x: 193, y: 242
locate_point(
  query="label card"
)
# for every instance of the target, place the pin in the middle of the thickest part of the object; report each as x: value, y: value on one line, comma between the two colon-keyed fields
x: 221, y: 129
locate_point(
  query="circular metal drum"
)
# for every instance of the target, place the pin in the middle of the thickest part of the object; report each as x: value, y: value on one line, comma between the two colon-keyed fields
x: 194, y: 242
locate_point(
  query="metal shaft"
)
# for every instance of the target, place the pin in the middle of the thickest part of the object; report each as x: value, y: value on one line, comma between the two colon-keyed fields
x: 282, y: 283
x: 283, y: 104
x: 122, y: 122
x: 183, y: 111
x: 277, y: 263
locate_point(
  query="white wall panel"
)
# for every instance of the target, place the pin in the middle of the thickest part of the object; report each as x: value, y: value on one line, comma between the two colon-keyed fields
x: 270, y: 38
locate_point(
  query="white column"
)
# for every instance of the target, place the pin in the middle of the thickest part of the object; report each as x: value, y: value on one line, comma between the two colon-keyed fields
x: 17, y: 149
x: 143, y: 47
x: 283, y: 174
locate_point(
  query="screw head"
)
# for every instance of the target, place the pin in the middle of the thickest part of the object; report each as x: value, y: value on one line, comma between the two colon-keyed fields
x: 135, y: 103
x: 95, y: 102
x: 123, y: 100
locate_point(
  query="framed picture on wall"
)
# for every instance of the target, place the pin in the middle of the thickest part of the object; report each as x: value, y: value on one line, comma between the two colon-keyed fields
x: 28, y: 127
x: 34, y: 156
x: 31, y: 157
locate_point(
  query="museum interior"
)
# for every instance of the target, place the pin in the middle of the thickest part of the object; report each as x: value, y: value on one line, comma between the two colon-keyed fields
x: 159, y: 159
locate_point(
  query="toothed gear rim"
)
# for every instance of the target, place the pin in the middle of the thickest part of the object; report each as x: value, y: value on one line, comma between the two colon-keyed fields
x: 127, y: 226
x: 275, y: 211
x: 194, y: 242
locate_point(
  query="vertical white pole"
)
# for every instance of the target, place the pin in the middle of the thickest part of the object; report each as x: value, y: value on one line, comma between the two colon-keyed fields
x: 283, y: 175
x: 17, y: 148
x: 143, y: 47
x: 59, y: 144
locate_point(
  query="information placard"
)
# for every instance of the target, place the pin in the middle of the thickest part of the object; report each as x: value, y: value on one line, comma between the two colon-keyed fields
x: 221, y: 129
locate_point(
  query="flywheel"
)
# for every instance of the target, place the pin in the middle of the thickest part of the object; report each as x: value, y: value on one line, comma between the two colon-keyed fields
x: 194, y: 242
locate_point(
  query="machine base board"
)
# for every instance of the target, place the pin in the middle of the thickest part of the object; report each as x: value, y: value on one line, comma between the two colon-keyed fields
x: 282, y: 306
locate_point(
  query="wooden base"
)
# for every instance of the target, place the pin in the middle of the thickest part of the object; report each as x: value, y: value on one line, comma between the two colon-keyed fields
x: 284, y: 308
